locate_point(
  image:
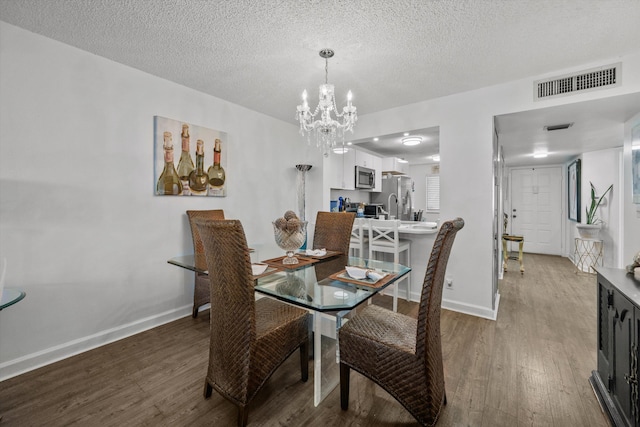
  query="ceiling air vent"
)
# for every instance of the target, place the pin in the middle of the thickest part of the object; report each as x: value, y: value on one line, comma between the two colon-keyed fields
x: 550, y: 128
x: 595, y: 78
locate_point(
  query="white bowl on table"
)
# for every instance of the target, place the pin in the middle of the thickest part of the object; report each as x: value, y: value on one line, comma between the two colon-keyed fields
x: 258, y: 268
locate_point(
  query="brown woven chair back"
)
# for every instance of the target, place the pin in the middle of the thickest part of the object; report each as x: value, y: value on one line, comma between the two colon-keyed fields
x: 428, y: 333
x: 232, y: 304
x: 201, y: 295
x: 249, y: 338
x: 333, y: 231
x: 400, y: 353
x: 207, y: 214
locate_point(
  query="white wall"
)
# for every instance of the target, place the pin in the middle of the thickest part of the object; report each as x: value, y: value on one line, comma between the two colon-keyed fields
x: 602, y: 168
x: 88, y: 241
x: 631, y: 214
x: 80, y: 227
x: 466, y: 126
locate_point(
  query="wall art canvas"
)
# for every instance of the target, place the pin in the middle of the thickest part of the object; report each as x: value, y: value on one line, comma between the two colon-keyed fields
x: 574, y: 190
x: 189, y: 160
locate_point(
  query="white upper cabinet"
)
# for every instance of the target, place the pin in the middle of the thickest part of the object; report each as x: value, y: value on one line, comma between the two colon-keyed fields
x: 342, y: 170
x: 392, y: 165
x: 364, y: 159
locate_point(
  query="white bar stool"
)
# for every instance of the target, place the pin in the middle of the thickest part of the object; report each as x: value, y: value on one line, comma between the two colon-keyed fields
x: 384, y: 237
x: 358, y: 238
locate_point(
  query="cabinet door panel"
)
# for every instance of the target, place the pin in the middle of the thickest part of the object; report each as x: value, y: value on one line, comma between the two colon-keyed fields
x: 349, y: 170
x: 623, y: 328
x: 605, y: 335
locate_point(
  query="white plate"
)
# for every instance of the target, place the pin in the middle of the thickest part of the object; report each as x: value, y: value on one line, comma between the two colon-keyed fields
x: 258, y: 269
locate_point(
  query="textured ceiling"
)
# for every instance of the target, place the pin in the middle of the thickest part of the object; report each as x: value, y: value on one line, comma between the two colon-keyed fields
x: 262, y: 54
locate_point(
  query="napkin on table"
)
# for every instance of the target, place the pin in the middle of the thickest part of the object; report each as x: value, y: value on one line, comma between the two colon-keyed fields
x: 316, y: 252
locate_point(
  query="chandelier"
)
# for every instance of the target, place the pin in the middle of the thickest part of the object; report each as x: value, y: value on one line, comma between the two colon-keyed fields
x: 326, y: 128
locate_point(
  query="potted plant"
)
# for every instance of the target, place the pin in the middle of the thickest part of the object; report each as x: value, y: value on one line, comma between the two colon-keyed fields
x: 592, y: 228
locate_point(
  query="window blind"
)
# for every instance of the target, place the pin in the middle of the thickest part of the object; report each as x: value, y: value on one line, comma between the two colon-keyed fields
x: 433, y: 192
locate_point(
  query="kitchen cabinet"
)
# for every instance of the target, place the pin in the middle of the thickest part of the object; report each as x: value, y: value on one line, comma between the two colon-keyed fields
x: 342, y: 170
x: 615, y: 381
x: 392, y: 165
x: 364, y: 159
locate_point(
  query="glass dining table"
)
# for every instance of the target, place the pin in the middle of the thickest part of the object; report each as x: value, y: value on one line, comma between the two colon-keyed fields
x: 322, y: 287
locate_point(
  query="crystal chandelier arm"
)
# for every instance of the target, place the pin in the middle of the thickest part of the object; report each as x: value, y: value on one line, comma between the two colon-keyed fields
x: 326, y: 128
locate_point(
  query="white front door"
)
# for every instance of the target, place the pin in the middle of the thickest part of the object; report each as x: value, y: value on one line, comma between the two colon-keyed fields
x: 536, y: 208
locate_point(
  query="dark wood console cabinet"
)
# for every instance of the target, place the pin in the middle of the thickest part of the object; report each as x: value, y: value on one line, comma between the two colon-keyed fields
x: 615, y: 382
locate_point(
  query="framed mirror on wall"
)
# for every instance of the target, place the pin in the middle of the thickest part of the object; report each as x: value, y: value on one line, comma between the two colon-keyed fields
x: 574, y: 190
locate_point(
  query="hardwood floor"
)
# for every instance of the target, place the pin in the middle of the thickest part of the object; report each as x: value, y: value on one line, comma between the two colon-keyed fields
x: 528, y: 368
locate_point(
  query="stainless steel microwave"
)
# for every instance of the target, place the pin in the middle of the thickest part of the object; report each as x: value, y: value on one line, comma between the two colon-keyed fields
x: 365, y: 177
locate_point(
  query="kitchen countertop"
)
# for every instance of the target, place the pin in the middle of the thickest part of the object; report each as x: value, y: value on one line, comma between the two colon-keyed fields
x: 415, y: 227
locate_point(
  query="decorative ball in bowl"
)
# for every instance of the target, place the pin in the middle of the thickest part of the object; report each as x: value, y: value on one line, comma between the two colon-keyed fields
x: 290, y: 233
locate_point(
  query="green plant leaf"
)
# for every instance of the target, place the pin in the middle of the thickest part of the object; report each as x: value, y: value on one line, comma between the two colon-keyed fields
x: 591, y: 211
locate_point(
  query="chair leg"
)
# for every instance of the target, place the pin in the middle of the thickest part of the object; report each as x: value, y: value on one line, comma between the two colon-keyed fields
x: 396, y: 260
x: 445, y: 398
x: 409, y: 274
x: 242, y: 416
x: 344, y: 386
x: 395, y: 297
x: 304, y: 361
x: 207, y: 389
x: 194, y: 313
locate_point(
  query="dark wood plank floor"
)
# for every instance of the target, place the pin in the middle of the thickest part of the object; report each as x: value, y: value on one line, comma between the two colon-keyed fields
x: 528, y: 368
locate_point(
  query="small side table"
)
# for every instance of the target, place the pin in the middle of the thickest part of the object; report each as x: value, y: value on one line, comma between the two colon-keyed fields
x: 588, y: 254
x: 509, y: 238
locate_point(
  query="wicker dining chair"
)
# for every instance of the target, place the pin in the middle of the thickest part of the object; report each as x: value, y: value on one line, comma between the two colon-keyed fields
x: 333, y: 231
x: 402, y: 354
x: 249, y: 339
x: 201, y: 287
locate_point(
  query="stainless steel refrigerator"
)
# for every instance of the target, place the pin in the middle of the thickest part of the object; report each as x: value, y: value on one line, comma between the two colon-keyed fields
x: 400, y: 187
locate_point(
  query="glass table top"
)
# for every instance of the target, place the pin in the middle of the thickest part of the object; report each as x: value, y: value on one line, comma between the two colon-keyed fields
x: 310, y: 286
x: 10, y: 296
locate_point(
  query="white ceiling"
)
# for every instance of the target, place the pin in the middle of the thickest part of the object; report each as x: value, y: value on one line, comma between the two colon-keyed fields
x: 262, y: 54
x: 597, y: 125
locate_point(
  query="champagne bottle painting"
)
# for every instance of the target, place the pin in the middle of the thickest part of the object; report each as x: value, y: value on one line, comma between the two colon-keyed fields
x: 180, y: 142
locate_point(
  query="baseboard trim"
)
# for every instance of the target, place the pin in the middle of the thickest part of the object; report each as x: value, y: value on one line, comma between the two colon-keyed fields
x: 54, y: 354
x: 471, y: 309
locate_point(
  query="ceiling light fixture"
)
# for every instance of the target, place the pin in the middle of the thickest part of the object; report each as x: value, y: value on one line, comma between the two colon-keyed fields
x: 340, y: 150
x: 436, y: 157
x: 403, y: 161
x: 540, y: 155
x: 326, y: 129
x: 412, y: 140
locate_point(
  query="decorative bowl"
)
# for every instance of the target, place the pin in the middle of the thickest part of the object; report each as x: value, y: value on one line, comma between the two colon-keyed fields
x: 257, y: 269
x: 290, y: 240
